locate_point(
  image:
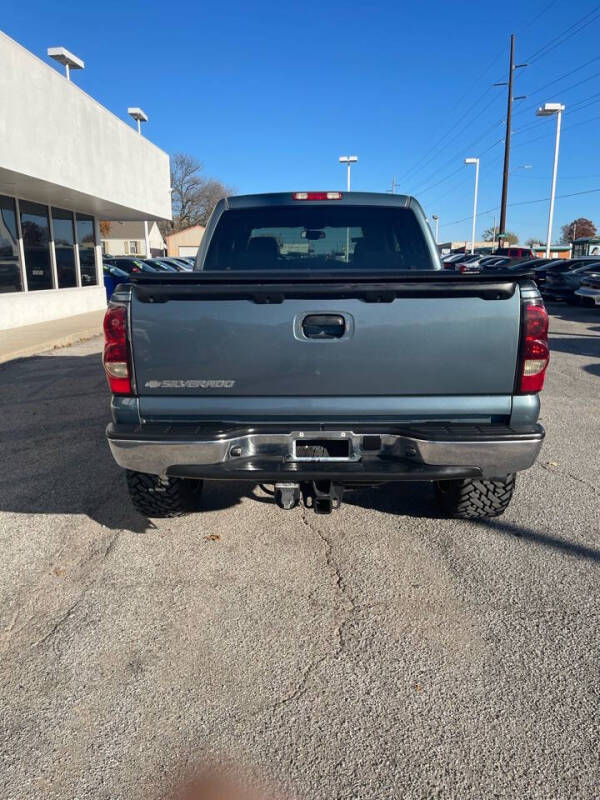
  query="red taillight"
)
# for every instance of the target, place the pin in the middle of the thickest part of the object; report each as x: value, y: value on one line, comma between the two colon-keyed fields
x: 116, y: 353
x: 535, y: 352
x: 317, y: 195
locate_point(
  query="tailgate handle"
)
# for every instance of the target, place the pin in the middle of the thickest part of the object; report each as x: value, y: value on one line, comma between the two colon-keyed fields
x: 324, y: 326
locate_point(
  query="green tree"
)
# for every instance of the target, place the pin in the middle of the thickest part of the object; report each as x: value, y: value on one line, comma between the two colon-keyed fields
x: 491, y: 235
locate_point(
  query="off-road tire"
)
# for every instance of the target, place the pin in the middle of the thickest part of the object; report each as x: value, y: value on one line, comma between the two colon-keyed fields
x: 472, y: 499
x: 154, y: 496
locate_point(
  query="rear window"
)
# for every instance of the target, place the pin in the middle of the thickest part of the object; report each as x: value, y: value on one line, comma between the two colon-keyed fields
x: 319, y: 238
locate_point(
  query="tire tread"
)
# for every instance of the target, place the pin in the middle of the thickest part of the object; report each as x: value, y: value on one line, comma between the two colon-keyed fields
x: 476, y: 499
x: 154, y: 496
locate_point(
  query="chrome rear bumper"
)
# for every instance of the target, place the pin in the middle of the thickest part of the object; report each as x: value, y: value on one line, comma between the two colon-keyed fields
x: 487, y: 451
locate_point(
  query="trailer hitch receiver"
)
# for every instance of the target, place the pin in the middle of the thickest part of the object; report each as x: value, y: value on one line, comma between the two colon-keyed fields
x: 322, y: 496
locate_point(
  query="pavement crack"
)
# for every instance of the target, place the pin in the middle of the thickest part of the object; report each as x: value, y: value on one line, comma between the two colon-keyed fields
x: 73, y: 607
x: 59, y: 622
x: 565, y: 472
x: 343, y: 611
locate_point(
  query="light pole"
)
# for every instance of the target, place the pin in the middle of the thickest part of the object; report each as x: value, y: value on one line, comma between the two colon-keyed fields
x: 66, y: 58
x: 437, y: 226
x: 476, y: 162
x: 546, y: 111
x: 348, y: 161
x: 140, y: 116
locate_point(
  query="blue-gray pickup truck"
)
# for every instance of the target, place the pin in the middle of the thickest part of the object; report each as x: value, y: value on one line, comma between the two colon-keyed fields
x: 319, y: 346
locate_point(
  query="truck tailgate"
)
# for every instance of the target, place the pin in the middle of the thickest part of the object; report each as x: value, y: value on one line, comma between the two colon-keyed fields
x: 424, y: 343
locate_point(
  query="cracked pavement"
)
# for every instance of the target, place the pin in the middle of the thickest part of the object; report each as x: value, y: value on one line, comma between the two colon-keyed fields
x: 380, y: 652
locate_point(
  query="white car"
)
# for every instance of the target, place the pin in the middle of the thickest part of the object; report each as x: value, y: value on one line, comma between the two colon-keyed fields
x: 590, y: 289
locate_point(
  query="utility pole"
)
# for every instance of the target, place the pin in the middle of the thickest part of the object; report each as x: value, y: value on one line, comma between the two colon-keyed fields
x: 509, y: 83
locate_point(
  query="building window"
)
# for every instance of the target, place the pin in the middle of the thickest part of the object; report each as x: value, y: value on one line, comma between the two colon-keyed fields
x: 64, y: 247
x: 104, y: 248
x: 134, y: 248
x: 10, y: 268
x: 87, y: 253
x: 36, y: 244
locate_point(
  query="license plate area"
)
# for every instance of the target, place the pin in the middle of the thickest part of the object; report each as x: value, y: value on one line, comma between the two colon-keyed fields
x: 316, y: 448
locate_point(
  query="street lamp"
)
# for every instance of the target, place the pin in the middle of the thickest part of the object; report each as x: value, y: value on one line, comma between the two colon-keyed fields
x: 63, y: 56
x: 437, y: 225
x: 547, y: 110
x: 476, y: 162
x: 348, y: 161
x: 140, y: 116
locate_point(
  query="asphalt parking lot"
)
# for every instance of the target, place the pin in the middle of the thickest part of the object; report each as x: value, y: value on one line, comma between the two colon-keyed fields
x: 380, y: 652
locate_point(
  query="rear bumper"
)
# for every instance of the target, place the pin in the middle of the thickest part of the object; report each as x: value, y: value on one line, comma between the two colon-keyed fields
x: 268, y: 452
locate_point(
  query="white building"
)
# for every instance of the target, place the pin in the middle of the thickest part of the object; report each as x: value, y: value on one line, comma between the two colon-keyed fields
x: 66, y: 162
x: 128, y: 239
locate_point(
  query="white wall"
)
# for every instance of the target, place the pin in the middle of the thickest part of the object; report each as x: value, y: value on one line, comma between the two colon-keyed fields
x: 57, y: 144
x: 28, y: 308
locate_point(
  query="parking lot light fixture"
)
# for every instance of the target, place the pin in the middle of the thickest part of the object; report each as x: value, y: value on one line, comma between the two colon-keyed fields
x: 348, y: 161
x: 436, y: 219
x: 547, y: 110
x: 476, y: 162
x: 140, y: 116
x: 67, y: 59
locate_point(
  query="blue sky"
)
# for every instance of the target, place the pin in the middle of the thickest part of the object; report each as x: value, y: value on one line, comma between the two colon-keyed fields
x: 268, y: 94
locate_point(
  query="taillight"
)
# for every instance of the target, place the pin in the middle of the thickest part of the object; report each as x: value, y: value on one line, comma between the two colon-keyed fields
x: 317, y: 195
x: 116, y: 353
x: 535, y: 353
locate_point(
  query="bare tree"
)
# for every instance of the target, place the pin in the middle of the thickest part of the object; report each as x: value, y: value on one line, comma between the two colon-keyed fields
x: 532, y: 242
x: 193, y: 195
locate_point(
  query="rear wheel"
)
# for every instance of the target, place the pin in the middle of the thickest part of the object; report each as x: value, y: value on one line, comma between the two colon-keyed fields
x: 154, y: 496
x: 472, y: 499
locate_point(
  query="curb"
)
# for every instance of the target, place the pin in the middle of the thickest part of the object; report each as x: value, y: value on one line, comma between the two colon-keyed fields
x: 50, y: 344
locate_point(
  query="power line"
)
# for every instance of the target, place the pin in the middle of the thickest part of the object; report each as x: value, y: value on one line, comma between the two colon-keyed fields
x: 562, y: 92
x: 462, y: 115
x: 520, y: 203
x: 566, y: 75
x: 455, y: 158
x: 562, y: 37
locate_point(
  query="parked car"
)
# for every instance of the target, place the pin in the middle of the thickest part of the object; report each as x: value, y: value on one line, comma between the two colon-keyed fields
x: 113, y: 276
x: 514, y: 252
x: 459, y: 259
x: 170, y: 264
x: 494, y: 263
x: 128, y: 265
x: 160, y: 265
x: 563, y: 285
x: 449, y: 260
x: 543, y: 274
x: 589, y: 291
x: 317, y: 370
x: 183, y: 262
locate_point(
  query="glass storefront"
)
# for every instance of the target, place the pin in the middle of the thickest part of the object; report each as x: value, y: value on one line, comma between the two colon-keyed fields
x: 71, y: 239
x: 64, y: 247
x: 35, y: 230
x: 10, y: 267
x: 87, y: 254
